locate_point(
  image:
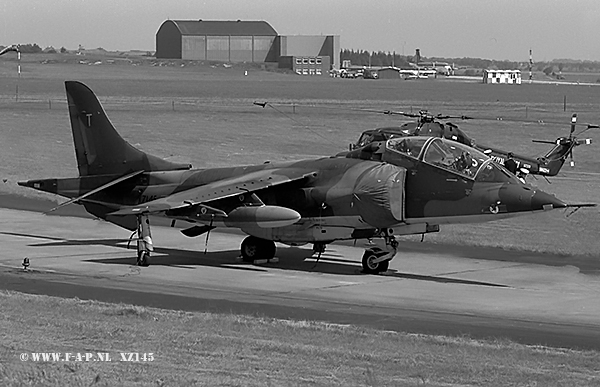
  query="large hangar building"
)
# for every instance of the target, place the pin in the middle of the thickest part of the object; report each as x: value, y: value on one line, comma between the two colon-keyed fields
x: 228, y: 41
x: 245, y: 41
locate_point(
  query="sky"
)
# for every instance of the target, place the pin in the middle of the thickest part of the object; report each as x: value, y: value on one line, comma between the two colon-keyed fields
x: 487, y: 29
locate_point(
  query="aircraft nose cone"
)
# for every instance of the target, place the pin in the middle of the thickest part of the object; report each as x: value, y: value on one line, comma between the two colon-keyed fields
x: 544, y: 201
x: 518, y: 198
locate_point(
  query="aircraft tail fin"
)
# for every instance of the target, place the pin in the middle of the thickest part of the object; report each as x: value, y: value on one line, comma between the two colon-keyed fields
x: 556, y: 157
x: 99, y: 149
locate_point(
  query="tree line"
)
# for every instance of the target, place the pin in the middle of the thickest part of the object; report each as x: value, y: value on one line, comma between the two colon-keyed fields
x: 35, y: 49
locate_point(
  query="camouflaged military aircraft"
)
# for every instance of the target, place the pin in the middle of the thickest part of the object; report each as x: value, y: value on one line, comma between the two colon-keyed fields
x: 548, y: 164
x: 397, y: 187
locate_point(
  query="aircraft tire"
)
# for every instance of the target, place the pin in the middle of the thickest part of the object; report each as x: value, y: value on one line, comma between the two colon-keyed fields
x: 374, y: 268
x: 254, y: 248
x: 143, y: 259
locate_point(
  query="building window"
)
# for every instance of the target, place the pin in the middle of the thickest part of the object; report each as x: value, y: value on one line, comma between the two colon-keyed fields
x: 311, y: 61
x: 304, y: 60
x: 319, y: 60
x: 318, y: 71
x: 304, y: 71
x: 298, y: 61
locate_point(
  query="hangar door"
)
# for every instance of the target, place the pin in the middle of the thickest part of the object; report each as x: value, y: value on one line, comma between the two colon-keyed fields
x: 262, y: 47
x: 193, y: 47
x: 240, y: 49
x: 217, y: 48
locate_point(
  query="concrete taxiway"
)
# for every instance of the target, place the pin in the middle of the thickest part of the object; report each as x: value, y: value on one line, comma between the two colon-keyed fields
x: 530, y: 298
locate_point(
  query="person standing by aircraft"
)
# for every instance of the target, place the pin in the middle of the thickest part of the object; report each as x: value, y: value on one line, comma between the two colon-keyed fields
x: 510, y: 163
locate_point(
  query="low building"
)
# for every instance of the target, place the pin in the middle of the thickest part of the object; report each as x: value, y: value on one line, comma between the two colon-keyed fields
x: 389, y: 73
x: 502, y: 76
x: 306, y: 65
x: 310, y: 46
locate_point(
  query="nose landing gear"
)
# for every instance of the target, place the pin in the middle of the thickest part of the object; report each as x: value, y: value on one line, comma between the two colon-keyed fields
x: 376, y: 260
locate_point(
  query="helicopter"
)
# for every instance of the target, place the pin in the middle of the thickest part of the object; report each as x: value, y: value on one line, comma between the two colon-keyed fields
x: 402, y: 186
x: 548, y: 164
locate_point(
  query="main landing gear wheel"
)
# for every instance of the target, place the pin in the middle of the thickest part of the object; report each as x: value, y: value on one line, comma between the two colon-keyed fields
x: 369, y: 264
x: 143, y: 258
x: 254, y: 248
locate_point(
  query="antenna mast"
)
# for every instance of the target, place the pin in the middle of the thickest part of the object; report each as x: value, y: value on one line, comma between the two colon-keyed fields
x: 530, y: 66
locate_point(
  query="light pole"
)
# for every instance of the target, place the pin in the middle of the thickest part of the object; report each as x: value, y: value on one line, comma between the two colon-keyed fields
x: 15, y: 47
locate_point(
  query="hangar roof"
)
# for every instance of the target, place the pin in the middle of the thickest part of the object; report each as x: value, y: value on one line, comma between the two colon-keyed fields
x: 224, y: 27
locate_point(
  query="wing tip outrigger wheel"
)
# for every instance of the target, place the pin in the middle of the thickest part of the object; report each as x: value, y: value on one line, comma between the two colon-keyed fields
x: 143, y: 258
x: 144, y: 242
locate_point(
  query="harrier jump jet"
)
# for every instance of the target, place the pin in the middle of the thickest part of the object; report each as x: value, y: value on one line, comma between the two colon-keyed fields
x: 397, y: 187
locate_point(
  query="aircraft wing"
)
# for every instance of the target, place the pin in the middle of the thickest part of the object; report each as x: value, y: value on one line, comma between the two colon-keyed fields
x: 220, y: 189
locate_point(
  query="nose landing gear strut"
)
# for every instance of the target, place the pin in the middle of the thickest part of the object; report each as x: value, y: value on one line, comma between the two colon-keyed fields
x: 376, y: 260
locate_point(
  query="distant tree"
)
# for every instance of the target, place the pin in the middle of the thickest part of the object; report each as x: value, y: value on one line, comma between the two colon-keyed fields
x: 548, y: 70
x: 63, y: 50
x: 507, y: 65
x: 30, y: 48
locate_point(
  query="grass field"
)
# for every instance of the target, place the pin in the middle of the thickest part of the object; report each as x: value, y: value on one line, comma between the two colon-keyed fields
x: 204, y: 114
x: 227, y: 350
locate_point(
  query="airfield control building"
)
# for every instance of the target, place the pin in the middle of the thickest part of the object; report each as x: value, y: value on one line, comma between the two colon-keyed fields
x: 502, y: 76
x: 246, y: 41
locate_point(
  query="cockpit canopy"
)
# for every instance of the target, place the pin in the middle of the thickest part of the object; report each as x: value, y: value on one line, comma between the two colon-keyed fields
x: 450, y: 155
x: 379, y: 134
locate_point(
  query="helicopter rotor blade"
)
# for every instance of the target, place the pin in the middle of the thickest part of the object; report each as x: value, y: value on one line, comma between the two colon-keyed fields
x: 589, y: 126
x: 447, y: 117
x: 534, y: 121
x: 425, y: 116
x: 398, y: 113
x: 571, y: 157
x: 544, y: 141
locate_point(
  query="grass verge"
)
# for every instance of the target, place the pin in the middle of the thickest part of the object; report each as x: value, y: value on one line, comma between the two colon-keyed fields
x: 233, y: 350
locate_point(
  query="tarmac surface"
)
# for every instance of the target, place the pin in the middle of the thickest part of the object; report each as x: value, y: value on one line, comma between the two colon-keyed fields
x: 431, y: 289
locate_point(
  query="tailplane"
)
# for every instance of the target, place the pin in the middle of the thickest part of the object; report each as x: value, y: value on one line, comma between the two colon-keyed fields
x: 556, y: 157
x: 99, y: 149
x: 563, y: 148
